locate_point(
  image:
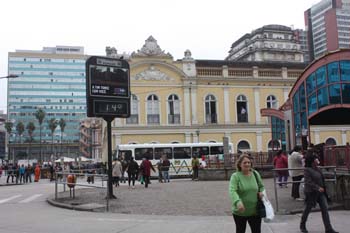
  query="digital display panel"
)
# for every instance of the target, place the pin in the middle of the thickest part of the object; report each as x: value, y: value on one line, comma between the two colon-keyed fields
x: 109, y: 81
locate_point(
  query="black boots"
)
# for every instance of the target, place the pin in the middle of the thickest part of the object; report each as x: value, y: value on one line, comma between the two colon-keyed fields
x: 303, y: 228
x: 332, y: 231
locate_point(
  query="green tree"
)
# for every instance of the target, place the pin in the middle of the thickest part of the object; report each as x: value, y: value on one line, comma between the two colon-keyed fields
x: 40, y: 116
x: 20, y: 130
x: 30, y: 128
x: 8, y: 127
x: 52, y: 126
x: 62, y: 124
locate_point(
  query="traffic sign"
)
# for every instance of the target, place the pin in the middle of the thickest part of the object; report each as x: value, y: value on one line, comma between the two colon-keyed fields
x: 107, y: 87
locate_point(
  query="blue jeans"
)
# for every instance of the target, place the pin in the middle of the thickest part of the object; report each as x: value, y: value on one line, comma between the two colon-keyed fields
x: 165, y: 175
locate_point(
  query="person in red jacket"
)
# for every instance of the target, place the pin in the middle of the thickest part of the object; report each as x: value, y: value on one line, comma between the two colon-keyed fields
x: 281, y: 161
x: 145, y: 168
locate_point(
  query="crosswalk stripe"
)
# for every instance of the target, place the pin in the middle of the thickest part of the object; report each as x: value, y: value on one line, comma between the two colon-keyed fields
x: 29, y: 199
x: 9, y: 199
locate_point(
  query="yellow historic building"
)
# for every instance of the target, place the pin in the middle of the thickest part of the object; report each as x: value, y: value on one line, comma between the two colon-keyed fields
x: 190, y: 100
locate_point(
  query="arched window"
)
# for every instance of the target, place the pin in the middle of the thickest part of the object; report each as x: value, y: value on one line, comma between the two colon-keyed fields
x: 242, y: 111
x: 153, y: 110
x: 274, y: 145
x: 331, y: 142
x: 210, y: 109
x: 173, y: 109
x: 271, y: 102
x: 243, y: 146
x: 134, y: 110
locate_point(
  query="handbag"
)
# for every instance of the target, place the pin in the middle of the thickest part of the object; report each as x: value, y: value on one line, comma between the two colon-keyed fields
x: 260, y: 207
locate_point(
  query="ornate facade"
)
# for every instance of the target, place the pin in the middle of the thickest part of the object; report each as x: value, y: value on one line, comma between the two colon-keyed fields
x: 192, y: 100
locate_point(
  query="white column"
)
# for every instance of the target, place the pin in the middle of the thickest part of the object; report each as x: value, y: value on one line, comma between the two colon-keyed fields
x: 194, y: 105
x: 343, y: 137
x: 187, y: 106
x: 117, y: 138
x: 317, y: 136
x: 257, y: 106
x: 258, y: 141
x: 285, y: 95
x: 227, y: 105
x: 188, y: 137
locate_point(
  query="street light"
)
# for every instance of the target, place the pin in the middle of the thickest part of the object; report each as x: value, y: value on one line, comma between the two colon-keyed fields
x: 10, y: 76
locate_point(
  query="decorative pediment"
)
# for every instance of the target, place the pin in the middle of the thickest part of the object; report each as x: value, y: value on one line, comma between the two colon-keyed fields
x: 151, y: 48
x: 152, y: 74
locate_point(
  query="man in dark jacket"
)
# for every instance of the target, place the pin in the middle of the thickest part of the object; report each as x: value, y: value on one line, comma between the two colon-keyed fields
x: 132, y: 169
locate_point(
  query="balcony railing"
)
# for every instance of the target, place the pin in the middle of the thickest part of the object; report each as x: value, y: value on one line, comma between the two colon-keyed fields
x: 174, y: 118
x: 153, y: 119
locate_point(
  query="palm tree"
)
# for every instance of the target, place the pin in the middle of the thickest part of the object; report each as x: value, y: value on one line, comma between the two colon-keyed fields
x: 20, y: 130
x: 62, y: 124
x: 52, y: 126
x: 40, y: 116
x: 30, y: 128
x: 8, y: 127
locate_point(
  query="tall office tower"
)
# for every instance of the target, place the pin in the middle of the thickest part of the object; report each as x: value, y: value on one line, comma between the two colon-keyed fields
x: 300, y: 35
x: 328, y: 26
x: 269, y: 43
x: 52, y: 79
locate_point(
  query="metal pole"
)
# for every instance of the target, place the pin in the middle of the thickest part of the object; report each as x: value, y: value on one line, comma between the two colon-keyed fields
x: 109, y: 136
x: 275, y: 187
x: 55, y: 185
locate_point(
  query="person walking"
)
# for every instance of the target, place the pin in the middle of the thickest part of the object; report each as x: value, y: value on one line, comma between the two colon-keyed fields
x: 165, y: 169
x: 315, y: 192
x: 28, y: 174
x: 117, y: 172
x: 132, y: 169
x: 37, y: 173
x: 295, y: 161
x: 146, y: 167
x: 21, y: 172
x: 195, y: 167
x: 245, y: 188
x: 159, y: 168
x: 281, y: 161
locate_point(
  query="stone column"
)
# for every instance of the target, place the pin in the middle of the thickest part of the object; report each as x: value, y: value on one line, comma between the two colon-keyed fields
x: 188, y: 138
x: 259, y: 141
x: 257, y: 105
x: 343, y: 137
x: 187, y: 105
x: 285, y: 94
x: 227, y: 105
x: 317, y: 136
x: 194, y: 105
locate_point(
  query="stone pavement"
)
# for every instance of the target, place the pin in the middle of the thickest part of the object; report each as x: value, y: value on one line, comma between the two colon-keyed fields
x: 200, y: 200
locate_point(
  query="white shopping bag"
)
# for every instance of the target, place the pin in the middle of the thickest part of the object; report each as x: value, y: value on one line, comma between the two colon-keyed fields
x: 270, y: 214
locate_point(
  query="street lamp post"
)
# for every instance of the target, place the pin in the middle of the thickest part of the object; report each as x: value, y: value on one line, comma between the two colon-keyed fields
x: 10, y: 76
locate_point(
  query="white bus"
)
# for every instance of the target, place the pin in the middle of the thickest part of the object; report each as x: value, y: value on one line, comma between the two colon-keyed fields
x: 179, y: 154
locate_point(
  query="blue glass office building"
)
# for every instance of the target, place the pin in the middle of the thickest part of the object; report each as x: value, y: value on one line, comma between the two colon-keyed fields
x: 52, y: 79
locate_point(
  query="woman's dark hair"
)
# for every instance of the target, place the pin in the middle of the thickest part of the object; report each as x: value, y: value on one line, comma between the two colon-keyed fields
x: 310, y: 158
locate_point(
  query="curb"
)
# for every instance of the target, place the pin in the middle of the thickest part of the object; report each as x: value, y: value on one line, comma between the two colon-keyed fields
x: 73, y: 207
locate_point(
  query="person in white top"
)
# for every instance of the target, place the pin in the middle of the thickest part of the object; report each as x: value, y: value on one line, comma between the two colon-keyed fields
x: 295, y: 161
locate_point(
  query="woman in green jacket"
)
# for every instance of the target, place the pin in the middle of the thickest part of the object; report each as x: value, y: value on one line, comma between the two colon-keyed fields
x: 245, y: 187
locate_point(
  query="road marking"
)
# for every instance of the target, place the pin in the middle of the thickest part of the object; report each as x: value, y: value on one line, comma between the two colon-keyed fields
x: 9, y: 199
x: 29, y: 199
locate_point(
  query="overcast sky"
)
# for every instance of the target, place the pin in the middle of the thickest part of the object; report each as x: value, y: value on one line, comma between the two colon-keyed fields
x: 207, y: 28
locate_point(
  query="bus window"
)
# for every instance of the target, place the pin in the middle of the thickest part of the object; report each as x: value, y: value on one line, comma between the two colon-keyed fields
x: 200, y: 150
x: 141, y: 153
x: 159, y: 152
x: 182, y: 152
x: 126, y: 154
x: 216, y: 150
